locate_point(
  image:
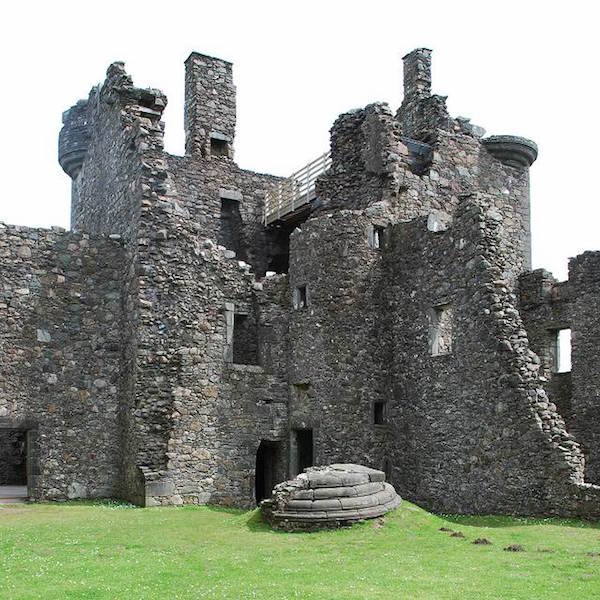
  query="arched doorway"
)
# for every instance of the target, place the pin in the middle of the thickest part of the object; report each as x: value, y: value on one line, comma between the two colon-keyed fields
x: 268, y: 458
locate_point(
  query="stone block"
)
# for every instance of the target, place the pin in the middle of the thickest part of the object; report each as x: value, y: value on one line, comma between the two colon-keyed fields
x: 160, y: 488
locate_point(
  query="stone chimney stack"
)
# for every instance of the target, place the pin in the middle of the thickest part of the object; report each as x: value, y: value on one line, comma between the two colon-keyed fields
x: 210, y: 114
x: 417, y: 74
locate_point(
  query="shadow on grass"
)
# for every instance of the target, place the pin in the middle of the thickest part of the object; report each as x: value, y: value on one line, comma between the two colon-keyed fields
x: 495, y: 521
x: 97, y: 502
x: 227, y: 510
x: 251, y: 519
x: 256, y: 523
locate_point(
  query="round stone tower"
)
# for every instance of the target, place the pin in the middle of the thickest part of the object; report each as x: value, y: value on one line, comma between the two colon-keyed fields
x: 73, y: 139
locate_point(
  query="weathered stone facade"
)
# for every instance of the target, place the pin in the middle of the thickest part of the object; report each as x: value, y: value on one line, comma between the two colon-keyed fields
x: 152, y: 354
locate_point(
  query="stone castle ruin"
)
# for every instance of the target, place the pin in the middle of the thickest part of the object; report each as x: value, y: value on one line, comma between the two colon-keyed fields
x: 204, y: 332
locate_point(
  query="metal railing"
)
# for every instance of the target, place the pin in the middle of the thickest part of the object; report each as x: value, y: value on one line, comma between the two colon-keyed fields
x: 295, y: 191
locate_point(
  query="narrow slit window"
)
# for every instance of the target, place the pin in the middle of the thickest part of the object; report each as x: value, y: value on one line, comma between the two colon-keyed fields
x: 562, y: 351
x: 440, y: 330
x: 377, y: 237
x: 379, y: 416
x: 300, y: 297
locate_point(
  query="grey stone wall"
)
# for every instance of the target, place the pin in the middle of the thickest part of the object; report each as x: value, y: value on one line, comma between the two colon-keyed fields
x: 218, y: 411
x: 468, y: 429
x: 337, y: 365
x: 472, y: 430
x: 190, y: 425
x: 373, y: 161
x: 148, y: 356
x: 548, y: 306
x: 203, y: 184
x: 421, y: 115
x: 544, y: 307
x: 584, y: 281
x: 60, y: 341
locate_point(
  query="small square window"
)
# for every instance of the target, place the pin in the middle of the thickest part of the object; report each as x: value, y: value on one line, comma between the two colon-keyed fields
x: 379, y: 413
x: 218, y: 147
x: 300, y: 297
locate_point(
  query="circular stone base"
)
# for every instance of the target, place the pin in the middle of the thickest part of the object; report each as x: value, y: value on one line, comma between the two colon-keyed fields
x: 329, y: 497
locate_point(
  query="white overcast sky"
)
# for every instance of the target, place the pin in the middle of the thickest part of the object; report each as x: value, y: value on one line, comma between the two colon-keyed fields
x: 527, y: 68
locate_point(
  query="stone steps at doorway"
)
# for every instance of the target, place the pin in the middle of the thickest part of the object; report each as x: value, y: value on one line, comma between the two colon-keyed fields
x: 13, y: 494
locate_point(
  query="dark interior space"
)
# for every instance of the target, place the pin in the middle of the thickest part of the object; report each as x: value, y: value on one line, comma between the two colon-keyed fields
x: 268, y: 458
x: 420, y: 153
x: 219, y: 147
x: 301, y: 450
x: 279, y: 248
x: 230, y: 230
x: 379, y: 413
x: 245, y: 340
x: 278, y: 239
x: 13, y: 457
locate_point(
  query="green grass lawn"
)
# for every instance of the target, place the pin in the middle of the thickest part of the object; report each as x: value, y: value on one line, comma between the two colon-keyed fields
x: 79, y: 550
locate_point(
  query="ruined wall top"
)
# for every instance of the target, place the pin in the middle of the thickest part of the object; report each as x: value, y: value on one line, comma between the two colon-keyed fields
x: 417, y: 73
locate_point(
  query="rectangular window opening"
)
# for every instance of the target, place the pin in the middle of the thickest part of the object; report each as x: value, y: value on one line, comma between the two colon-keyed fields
x: 440, y: 330
x: 377, y: 237
x: 219, y: 147
x: 245, y: 340
x: 379, y: 416
x: 562, y: 351
x: 300, y: 297
x: 230, y: 226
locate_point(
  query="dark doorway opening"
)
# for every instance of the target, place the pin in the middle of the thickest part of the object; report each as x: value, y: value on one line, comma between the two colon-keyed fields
x: 268, y: 457
x: 245, y: 340
x: 301, y: 450
x: 278, y: 248
x: 230, y: 229
x: 387, y: 469
x: 13, y: 457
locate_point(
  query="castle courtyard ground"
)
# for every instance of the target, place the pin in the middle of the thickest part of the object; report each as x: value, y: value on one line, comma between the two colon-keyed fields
x: 109, y: 550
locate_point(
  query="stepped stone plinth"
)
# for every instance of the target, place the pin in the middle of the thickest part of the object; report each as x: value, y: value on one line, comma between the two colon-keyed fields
x: 331, y: 496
